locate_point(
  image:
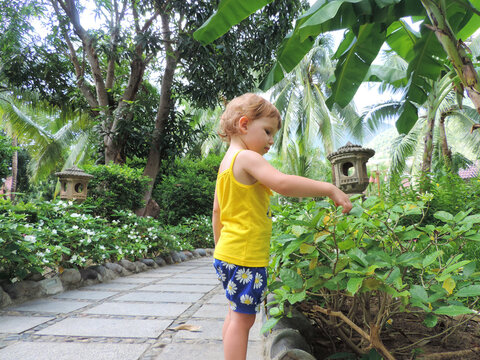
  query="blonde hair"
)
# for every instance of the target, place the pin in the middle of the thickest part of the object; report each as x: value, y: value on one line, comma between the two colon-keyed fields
x: 250, y: 105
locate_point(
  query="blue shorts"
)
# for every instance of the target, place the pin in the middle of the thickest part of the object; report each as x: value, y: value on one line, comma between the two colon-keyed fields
x: 245, y: 287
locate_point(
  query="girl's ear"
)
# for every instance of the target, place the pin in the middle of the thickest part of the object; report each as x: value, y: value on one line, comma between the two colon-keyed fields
x: 243, y: 124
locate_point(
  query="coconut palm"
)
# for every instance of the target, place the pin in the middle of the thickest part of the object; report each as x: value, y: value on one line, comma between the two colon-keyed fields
x: 310, y: 130
x: 54, y: 138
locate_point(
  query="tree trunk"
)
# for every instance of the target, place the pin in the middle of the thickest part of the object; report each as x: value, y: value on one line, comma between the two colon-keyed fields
x: 456, y: 50
x: 13, y: 189
x: 428, y: 151
x: 154, y: 157
x: 446, y: 152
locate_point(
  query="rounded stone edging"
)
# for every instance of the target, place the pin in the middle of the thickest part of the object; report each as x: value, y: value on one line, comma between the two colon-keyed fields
x: 286, y: 341
x: 21, y: 291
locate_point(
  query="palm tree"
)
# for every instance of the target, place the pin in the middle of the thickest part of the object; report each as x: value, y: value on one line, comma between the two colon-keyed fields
x: 310, y: 130
x: 54, y: 138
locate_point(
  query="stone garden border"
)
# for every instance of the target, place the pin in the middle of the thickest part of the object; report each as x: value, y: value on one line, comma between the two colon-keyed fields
x: 21, y: 291
x: 286, y: 341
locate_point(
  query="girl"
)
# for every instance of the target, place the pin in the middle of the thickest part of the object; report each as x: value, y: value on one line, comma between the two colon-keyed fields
x: 241, y: 214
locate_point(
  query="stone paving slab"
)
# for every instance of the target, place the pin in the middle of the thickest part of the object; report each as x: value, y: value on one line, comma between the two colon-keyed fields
x: 192, y: 281
x: 111, y: 286
x: 205, y: 351
x: 85, y: 295
x: 210, y: 311
x: 18, y: 324
x: 71, y: 351
x: 193, y: 275
x: 184, y: 288
x: 161, y: 297
x: 49, y: 306
x: 218, y: 299
x: 161, y: 309
x: 133, y: 280
x: 107, y: 328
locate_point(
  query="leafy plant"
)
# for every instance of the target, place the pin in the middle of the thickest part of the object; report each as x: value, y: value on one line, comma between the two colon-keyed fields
x: 380, y: 260
x: 115, y: 187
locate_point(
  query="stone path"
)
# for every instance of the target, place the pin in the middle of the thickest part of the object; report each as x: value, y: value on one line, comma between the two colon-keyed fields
x: 125, y: 319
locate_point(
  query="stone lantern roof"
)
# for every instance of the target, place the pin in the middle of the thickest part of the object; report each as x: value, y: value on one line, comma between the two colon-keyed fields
x: 353, y: 149
x: 74, y: 172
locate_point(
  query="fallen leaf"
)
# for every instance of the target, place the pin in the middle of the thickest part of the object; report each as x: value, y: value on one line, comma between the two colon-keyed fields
x: 187, y: 327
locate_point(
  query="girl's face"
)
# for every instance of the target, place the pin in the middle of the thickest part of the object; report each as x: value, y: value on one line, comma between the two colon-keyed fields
x: 259, y: 134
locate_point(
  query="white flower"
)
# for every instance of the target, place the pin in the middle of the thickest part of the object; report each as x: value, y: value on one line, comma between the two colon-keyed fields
x: 54, y: 232
x: 257, y: 308
x: 30, y: 238
x: 231, y: 287
x: 258, y: 281
x: 246, y: 299
x: 264, y: 294
x: 102, y: 247
x: 244, y: 276
x: 74, y: 227
x: 228, y: 265
x: 221, y: 275
x: 233, y: 306
x: 75, y: 215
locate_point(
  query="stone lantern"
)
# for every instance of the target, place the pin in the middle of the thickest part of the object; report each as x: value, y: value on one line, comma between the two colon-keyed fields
x: 73, y: 184
x: 349, y: 164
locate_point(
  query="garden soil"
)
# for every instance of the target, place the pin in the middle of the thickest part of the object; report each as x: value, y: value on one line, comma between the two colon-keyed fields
x: 450, y: 339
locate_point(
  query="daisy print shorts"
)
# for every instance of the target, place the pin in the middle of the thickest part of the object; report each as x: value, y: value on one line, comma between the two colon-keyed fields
x: 245, y: 287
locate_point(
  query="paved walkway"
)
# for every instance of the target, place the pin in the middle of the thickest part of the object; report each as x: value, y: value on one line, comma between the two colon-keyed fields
x: 125, y: 319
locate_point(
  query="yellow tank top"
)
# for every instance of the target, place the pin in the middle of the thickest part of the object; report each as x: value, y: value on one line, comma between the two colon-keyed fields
x: 246, y: 218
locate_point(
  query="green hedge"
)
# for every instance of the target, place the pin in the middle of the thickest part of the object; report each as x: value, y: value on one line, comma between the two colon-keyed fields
x: 115, y: 187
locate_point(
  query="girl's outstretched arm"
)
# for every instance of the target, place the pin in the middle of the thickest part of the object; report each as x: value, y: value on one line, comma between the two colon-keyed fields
x: 289, y: 185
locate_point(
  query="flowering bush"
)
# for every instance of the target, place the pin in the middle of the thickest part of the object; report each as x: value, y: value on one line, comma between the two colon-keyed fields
x: 35, y: 238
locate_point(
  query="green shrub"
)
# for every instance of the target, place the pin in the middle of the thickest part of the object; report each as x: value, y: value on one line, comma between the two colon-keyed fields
x: 196, y: 231
x: 35, y: 237
x: 379, y: 260
x: 115, y: 187
x: 187, y: 190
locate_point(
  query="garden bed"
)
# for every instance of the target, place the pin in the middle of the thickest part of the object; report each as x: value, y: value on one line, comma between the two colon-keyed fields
x: 406, y: 337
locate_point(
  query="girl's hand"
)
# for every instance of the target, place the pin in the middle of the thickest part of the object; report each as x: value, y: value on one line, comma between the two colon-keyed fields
x: 341, y: 199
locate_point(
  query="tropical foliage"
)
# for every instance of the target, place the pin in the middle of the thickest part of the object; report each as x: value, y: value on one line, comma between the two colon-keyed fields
x: 381, y: 260
x: 368, y: 25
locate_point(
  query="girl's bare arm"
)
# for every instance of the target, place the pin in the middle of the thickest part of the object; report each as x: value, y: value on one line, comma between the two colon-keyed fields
x: 289, y: 185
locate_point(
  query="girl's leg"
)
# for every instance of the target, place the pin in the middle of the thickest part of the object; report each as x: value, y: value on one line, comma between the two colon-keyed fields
x: 226, y: 323
x: 235, y: 338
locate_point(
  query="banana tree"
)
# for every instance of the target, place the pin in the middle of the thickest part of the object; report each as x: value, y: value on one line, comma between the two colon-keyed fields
x: 368, y: 24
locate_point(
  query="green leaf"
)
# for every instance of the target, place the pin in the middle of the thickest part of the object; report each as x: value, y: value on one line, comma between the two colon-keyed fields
x: 229, y: 13
x: 453, y: 310
x: 471, y: 290
x: 354, y: 284
x: 430, y: 320
x: 430, y: 259
x: 269, y: 324
x: 291, y: 278
x: 297, y: 297
x: 346, y: 244
x: 418, y: 292
x: 443, y: 216
x: 472, y: 219
x: 306, y: 248
x: 353, y: 65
